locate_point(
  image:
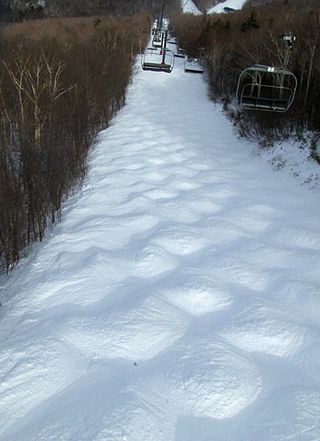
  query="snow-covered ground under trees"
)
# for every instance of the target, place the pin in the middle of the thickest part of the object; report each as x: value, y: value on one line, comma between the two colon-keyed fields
x: 178, y: 299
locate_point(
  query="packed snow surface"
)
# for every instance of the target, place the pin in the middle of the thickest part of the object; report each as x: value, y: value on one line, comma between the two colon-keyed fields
x: 178, y: 299
x: 234, y: 4
x: 188, y: 7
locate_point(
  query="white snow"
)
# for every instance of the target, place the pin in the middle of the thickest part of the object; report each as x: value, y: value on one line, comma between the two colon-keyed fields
x: 219, y: 8
x: 178, y: 299
x: 294, y: 157
x: 153, y: 57
x: 188, y: 7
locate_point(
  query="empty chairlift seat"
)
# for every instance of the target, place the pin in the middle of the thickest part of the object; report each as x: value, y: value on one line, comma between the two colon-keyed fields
x: 192, y: 65
x: 158, y: 60
x: 157, y: 39
x: 180, y: 53
x: 266, y: 88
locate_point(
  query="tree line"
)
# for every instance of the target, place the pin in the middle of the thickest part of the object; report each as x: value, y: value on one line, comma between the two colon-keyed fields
x: 61, y: 80
x: 228, y: 43
x: 19, y: 10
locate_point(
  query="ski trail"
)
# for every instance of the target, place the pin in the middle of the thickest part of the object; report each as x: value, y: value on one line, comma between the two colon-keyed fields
x: 178, y: 298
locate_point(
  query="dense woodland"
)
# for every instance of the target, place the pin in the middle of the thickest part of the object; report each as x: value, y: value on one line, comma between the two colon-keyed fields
x: 229, y: 43
x: 19, y: 10
x: 61, y: 81
x: 58, y: 87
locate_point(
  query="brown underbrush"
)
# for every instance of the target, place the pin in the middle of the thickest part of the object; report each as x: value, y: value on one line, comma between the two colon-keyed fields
x: 61, y: 80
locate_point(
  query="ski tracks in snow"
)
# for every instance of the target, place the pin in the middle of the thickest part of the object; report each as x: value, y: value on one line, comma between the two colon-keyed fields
x: 178, y: 299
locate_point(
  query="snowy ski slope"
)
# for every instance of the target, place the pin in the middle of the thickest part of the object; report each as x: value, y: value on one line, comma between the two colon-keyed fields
x: 178, y: 299
x: 188, y: 7
x: 234, y: 4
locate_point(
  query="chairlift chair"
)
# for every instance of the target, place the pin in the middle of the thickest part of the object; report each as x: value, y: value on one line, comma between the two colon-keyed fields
x: 165, y: 24
x: 157, y: 39
x: 181, y: 53
x: 154, y: 27
x: 156, y: 23
x: 160, y: 40
x: 157, y: 60
x: 266, y: 88
x: 192, y: 65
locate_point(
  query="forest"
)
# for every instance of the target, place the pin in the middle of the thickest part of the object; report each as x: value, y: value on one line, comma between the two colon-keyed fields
x: 19, y: 10
x: 65, y: 67
x: 58, y: 87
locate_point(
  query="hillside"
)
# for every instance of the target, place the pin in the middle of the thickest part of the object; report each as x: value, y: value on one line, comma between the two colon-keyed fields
x: 178, y: 298
x: 17, y: 10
